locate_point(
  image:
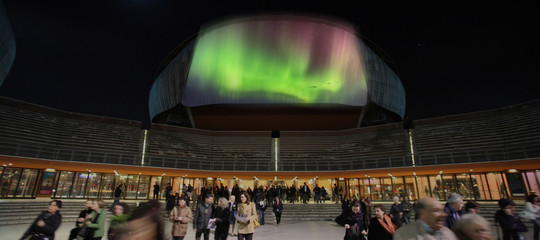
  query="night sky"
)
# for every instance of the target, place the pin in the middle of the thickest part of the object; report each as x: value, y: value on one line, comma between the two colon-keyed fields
x: 101, y: 57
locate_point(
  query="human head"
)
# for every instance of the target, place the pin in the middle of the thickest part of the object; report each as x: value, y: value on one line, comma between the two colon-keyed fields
x: 89, y: 203
x: 355, y: 207
x: 182, y: 202
x: 98, y: 204
x: 208, y: 198
x: 532, y: 198
x: 507, y: 205
x: 472, y: 226
x: 432, y: 212
x: 396, y: 199
x: 54, y: 206
x: 379, y: 210
x: 472, y: 207
x: 244, y: 197
x: 406, y: 199
x: 120, y: 208
x: 232, y: 198
x: 455, y: 201
x: 223, y: 203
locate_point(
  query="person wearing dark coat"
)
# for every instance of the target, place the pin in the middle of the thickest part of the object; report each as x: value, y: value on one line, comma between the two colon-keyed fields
x: 46, y: 223
x: 353, y: 222
x: 453, y: 209
x: 204, y: 214
x: 381, y: 226
x: 222, y: 216
x: 510, y: 223
x: 396, y: 212
x: 278, y: 209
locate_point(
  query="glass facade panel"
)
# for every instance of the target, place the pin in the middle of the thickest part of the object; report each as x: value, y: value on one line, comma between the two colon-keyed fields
x: 410, y: 186
x: 532, y: 180
x: 464, y: 186
x: 449, y: 185
x: 365, y: 188
x: 386, y: 187
x: 27, y: 184
x: 107, y: 185
x: 354, y: 189
x: 132, y: 186
x: 94, y: 180
x: 399, y: 187
x: 436, y: 187
x: 423, y: 186
x: 375, y: 186
x: 79, y: 188
x: 65, y: 181
x: 157, y: 180
x: 496, y: 185
x: 144, y: 187
x: 15, y: 176
x: 8, y: 176
x: 479, y: 187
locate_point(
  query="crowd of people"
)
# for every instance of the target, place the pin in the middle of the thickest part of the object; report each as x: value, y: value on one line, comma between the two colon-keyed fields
x: 433, y: 220
x: 243, y: 211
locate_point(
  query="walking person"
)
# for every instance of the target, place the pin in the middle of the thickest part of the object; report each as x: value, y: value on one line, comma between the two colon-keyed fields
x: 512, y: 226
x: 156, y: 190
x: 95, y: 222
x: 204, y: 215
x: 406, y: 206
x: 532, y: 213
x: 233, y: 209
x: 247, y: 214
x: 117, y: 195
x: 353, y: 221
x: 222, y: 219
x: 278, y: 209
x: 45, y: 225
x: 381, y: 227
x: 119, y: 219
x: 396, y: 212
x: 262, y: 205
x: 180, y: 216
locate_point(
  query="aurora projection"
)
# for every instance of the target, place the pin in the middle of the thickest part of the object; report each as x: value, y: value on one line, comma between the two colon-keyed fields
x: 276, y: 61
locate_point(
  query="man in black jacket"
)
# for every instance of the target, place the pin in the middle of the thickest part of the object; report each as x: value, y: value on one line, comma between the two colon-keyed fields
x: 204, y: 215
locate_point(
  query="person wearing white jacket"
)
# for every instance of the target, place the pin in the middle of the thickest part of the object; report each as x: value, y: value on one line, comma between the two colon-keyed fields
x: 532, y: 213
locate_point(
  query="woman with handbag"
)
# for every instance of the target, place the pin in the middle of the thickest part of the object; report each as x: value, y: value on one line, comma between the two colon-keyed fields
x: 247, y: 215
x: 46, y: 223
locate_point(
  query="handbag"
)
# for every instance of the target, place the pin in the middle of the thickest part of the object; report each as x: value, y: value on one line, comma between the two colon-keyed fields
x: 256, y: 223
x: 86, y: 232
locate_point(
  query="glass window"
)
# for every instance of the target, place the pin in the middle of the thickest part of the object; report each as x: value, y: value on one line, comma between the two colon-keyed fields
x: 410, y: 186
x: 449, y: 185
x: 8, y: 176
x: 65, y: 181
x: 423, y: 186
x: 365, y: 188
x: 480, y: 187
x: 399, y: 187
x: 79, y: 188
x: 386, y: 186
x: 27, y: 184
x: 377, y: 193
x: 532, y: 181
x: 15, y: 176
x: 132, y: 186
x: 93, y: 185
x: 108, y: 185
x: 436, y: 187
x: 464, y: 186
x: 496, y: 185
x: 157, y: 180
x: 144, y: 187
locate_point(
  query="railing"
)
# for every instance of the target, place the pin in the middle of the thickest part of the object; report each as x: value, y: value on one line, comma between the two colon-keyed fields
x: 302, y: 164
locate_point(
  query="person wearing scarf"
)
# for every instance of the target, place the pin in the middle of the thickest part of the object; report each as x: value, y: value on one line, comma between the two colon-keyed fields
x: 353, y: 222
x: 381, y: 227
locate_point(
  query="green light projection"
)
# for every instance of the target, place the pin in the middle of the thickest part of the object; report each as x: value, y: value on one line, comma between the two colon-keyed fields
x: 276, y: 61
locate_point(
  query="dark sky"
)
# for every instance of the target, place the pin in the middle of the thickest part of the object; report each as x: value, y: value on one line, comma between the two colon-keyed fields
x: 101, y: 57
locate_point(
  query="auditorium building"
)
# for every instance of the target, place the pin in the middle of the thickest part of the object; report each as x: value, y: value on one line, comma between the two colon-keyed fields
x: 272, y: 101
